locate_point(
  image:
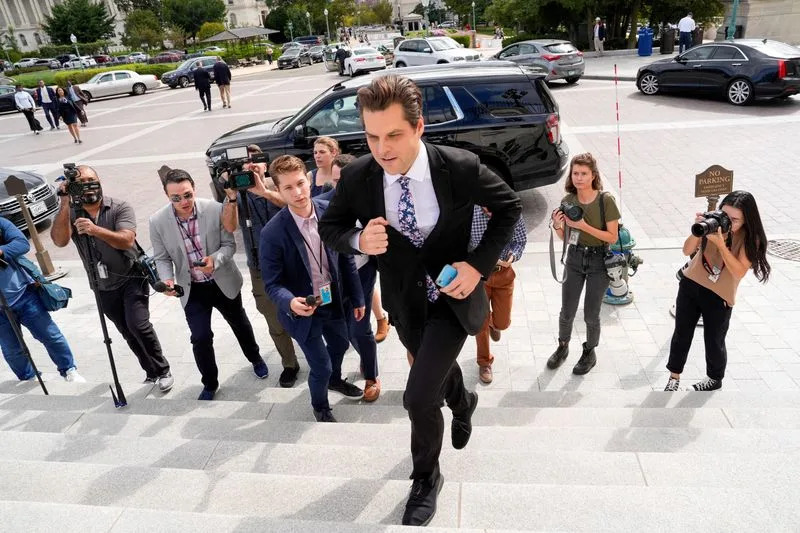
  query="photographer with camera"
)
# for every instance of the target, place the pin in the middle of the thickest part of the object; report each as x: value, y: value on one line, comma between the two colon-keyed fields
x: 724, y: 245
x: 263, y: 203
x: 121, y: 287
x: 588, y: 221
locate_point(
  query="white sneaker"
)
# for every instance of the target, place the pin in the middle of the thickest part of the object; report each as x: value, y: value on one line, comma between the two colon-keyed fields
x: 73, y: 377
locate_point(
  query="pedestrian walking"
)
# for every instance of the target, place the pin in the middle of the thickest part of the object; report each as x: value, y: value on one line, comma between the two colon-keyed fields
x: 269, y: 53
x: 69, y: 114
x: 222, y: 77
x: 686, y: 27
x: 202, y: 84
x: 46, y: 97
x: 27, y: 106
x: 79, y: 100
x: 599, y: 36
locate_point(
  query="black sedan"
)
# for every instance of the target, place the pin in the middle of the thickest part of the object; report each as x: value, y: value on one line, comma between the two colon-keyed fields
x: 41, y: 199
x: 742, y: 70
x: 7, y: 102
x: 294, y: 58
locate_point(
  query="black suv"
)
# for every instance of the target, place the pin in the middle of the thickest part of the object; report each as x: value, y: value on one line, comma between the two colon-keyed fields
x: 183, y: 76
x: 503, y: 113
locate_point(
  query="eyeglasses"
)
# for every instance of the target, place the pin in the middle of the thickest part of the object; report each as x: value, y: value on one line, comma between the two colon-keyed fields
x: 176, y: 199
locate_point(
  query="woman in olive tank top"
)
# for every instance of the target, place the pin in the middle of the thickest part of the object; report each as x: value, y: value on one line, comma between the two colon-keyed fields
x: 709, y: 283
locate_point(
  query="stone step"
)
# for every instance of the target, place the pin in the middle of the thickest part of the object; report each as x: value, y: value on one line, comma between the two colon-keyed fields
x: 337, y: 500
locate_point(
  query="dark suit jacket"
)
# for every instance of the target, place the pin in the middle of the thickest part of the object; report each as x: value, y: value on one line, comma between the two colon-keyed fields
x: 222, y: 74
x: 460, y: 182
x: 50, y: 92
x: 202, y: 79
x: 286, y: 271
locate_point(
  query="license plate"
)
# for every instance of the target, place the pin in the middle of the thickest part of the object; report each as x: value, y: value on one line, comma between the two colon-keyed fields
x: 37, y: 209
x: 571, y: 73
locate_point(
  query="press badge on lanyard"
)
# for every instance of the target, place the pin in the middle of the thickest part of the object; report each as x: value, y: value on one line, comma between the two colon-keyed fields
x: 712, y: 270
x: 325, y: 294
x: 574, y: 235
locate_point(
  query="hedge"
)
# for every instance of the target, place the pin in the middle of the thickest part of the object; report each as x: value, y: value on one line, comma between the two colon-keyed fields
x: 462, y: 39
x: 24, y: 70
x: 60, y: 77
x: 529, y: 36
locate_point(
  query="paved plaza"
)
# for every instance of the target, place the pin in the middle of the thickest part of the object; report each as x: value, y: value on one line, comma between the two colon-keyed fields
x: 551, y: 451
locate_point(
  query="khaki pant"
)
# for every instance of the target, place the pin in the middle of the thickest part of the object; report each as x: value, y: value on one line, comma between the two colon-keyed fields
x: 500, y: 290
x: 598, y: 45
x: 225, y: 94
x: 265, y: 306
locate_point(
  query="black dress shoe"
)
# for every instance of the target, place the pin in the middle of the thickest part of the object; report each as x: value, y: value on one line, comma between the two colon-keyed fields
x: 421, y: 505
x: 324, y: 415
x: 288, y: 377
x: 461, y: 427
x: 345, y: 388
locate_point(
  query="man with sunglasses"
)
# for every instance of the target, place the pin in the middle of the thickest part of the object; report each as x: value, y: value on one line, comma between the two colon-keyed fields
x: 194, y: 257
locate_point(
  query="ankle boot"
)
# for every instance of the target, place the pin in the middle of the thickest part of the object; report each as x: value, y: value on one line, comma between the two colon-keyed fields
x: 586, y: 362
x: 559, y: 355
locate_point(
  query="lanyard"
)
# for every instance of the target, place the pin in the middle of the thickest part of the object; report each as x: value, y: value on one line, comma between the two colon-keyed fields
x: 311, y: 253
x: 188, y: 236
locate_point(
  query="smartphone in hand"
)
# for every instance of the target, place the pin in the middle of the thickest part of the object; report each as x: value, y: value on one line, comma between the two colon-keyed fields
x: 446, y: 276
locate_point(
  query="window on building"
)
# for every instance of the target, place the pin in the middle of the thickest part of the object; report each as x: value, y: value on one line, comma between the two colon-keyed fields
x: 22, y: 40
x: 37, y: 38
x: 233, y: 20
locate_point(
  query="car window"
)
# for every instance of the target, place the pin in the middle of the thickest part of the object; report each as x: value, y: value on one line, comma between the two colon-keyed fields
x: 560, y: 48
x: 6, y: 90
x: 436, y: 107
x: 408, y: 46
x: 510, y: 51
x: 727, y: 52
x: 508, y: 99
x: 442, y: 44
x: 339, y: 115
x: 364, y: 51
x: 701, y: 53
x: 526, y: 49
x: 122, y: 76
x: 105, y: 78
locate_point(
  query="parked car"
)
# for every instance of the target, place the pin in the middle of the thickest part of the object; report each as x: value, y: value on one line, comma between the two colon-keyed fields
x: 25, y: 62
x: 741, y: 70
x: 560, y: 59
x: 81, y: 62
x: 183, y: 76
x: 364, y: 60
x: 118, y: 82
x: 317, y: 53
x: 139, y: 57
x: 167, y: 57
x: 213, y: 50
x: 41, y: 199
x: 122, y: 60
x: 448, y: 24
x: 103, y: 58
x: 294, y: 57
x: 413, y: 52
x: 329, y: 55
x: 42, y: 62
x: 54, y: 64
x: 7, y: 102
x: 65, y: 58
x: 500, y: 111
x: 387, y: 51
x: 290, y: 44
x: 5, y: 65
x: 310, y: 40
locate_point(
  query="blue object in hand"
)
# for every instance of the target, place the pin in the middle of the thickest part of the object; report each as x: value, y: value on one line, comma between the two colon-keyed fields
x: 447, y: 275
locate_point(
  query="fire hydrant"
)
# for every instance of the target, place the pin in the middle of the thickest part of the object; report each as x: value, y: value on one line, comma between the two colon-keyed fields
x: 621, y: 266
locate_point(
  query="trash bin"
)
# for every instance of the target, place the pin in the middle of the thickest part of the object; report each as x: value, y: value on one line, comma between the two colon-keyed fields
x: 667, y: 41
x: 645, y: 42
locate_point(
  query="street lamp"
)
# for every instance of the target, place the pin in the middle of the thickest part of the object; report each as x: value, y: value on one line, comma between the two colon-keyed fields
x: 308, y: 19
x: 291, y: 34
x: 74, y: 41
x: 473, y: 16
x: 327, y: 26
x: 425, y: 4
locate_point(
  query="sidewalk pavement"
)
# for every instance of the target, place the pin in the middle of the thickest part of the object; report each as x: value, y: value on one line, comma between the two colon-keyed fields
x: 627, y: 63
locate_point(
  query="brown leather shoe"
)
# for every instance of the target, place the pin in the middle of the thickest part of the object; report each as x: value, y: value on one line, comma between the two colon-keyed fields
x: 383, y: 329
x: 494, y: 334
x: 372, y: 390
x: 485, y: 374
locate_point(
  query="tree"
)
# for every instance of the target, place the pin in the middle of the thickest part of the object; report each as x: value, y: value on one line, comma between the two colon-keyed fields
x: 177, y: 36
x: 189, y: 15
x: 142, y: 27
x: 209, y: 29
x: 88, y: 21
x: 383, y: 12
x: 8, y: 41
x: 419, y: 9
x: 129, y: 6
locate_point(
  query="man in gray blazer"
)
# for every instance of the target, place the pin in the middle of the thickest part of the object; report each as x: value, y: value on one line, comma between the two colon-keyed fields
x: 194, y: 257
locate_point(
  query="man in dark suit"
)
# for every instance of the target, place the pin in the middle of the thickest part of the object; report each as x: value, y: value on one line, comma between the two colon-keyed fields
x: 297, y: 268
x: 415, y: 203
x: 222, y: 77
x: 202, y: 84
x: 46, y: 97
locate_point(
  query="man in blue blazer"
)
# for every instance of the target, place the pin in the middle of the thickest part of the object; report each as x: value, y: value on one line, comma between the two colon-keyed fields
x: 310, y: 284
x: 46, y: 97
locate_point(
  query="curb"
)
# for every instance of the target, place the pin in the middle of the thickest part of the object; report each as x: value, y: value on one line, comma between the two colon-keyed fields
x: 607, y: 78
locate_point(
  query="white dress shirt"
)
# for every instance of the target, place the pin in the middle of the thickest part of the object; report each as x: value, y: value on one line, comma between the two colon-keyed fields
x: 24, y: 100
x: 45, y: 95
x: 686, y: 24
x: 426, y: 205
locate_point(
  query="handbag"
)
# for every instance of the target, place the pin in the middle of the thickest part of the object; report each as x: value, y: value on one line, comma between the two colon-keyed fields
x: 52, y: 295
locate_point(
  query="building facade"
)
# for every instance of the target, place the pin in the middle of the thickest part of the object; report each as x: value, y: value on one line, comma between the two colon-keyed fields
x: 771, y: 19
x: 245, y: 13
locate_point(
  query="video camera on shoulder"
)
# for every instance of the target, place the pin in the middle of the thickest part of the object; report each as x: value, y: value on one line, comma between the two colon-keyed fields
x: 233, y: 163
x: 77, y: 189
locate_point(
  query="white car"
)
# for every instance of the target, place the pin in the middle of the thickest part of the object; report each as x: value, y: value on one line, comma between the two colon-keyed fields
x: 139, y: 57
x: 364, y: 60
x: 415, y: 52
x: 118, y: 82
x: 82, y: 62
x: 215, y: 49
x: 26, y: 62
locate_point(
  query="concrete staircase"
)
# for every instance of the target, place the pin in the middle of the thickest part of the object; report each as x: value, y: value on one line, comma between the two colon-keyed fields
x: 254, y: 460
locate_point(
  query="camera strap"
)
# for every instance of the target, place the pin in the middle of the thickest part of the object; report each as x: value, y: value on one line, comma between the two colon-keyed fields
x: 563, y: 253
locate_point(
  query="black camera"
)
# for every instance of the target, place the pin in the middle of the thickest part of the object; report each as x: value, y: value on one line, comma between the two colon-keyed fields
x: 713, y: 220
x: 233, y: 164
x: 571, y: 211
x: 76, y: 189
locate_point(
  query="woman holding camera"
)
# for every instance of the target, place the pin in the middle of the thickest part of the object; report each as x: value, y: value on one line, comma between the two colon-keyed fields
x: 720, y: 259
x: 321, y: 178
x: 589, y: 237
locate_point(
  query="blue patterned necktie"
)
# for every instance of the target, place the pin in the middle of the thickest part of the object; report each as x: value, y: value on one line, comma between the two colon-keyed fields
x: 409, y: 228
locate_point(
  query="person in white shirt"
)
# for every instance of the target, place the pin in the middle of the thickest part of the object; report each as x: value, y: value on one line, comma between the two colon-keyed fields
x: 686, y: 26
x: 599, y: 36
x: 25, y: 103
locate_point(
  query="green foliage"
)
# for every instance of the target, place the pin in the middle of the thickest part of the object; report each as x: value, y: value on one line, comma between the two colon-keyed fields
x: 383, y: 12
x: 419, y: 9
x: 142, y: 27
x: 462, y: 39
x: 209, y: 29
x: 128, y: 6
x: 24, y: 70
x: 189, y: 15
x: 8, y: 40
x: 53, y: 50
x: 87, y: 20
x: 60, y: 77
x: 529, y: 36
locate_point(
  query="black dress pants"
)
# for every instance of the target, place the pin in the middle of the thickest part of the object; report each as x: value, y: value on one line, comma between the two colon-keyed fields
x: 204, y: 298
x: 434, y: 376
x: 205, y: 96
x: 129, y: 309
x: 693, y: 301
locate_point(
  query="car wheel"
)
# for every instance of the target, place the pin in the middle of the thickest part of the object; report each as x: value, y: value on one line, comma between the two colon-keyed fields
x: 139, y: 89
x: 399, y: 64
x: 173, y: 86
x: 350, y: 71
x: 442, y: 62
x: 648, y: 83
x: 183, y: 82
x: 88, y: 96
x: 740, y: 92
x: 573, y: 80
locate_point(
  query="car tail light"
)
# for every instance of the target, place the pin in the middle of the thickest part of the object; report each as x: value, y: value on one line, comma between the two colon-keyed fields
x: 360, y: 60
x: 781, y: 69
x: 379, y: 57
x: 551, y: 57
x: 580, y: 54
x: 553, y: 129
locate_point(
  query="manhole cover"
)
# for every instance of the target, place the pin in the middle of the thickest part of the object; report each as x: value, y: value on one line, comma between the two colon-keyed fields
x: 785, y: 249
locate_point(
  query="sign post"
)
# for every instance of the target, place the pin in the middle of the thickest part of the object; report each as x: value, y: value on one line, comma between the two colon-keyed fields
x: 712, y: 183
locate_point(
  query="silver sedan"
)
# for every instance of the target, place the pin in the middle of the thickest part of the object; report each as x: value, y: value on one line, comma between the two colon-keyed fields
x: 119, y: 82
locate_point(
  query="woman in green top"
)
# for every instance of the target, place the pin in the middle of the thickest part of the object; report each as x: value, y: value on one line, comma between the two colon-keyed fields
x: 588, y: 239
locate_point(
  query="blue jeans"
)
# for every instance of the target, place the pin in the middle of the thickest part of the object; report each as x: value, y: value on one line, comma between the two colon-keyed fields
x: 324, y: 350
x: 31, y: 313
